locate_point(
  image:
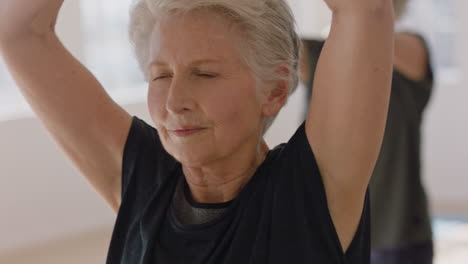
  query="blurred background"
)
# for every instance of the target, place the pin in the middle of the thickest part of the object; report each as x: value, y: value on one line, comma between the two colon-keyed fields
x: 49, y: 213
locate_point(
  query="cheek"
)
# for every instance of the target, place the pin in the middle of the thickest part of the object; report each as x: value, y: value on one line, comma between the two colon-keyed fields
x: 236, y: 105
x: 155, y: 104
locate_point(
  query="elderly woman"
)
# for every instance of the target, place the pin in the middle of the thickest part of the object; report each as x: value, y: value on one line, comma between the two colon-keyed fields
x: 400, y: 219
x: 203, y: 187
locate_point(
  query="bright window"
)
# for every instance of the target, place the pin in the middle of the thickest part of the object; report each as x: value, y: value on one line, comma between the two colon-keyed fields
x: 106, y: 52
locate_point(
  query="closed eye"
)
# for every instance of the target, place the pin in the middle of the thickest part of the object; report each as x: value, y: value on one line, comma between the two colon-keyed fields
x: 206, y: 75
x: 161, y: 77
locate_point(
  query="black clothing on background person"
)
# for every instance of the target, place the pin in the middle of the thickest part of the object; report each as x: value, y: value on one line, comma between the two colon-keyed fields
x: 399, y: 208
x: 280, y: 216
x: 418, y: 253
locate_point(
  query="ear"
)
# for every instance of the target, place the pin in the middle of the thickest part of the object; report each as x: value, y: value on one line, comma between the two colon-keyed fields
x: 277, y: 95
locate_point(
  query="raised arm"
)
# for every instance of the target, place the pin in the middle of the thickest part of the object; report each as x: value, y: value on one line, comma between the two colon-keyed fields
x: 349, y: 105
x: 70, y: 102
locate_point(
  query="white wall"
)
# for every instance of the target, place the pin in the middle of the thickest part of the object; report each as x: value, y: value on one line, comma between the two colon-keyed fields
x: 312, y: 16
x: 446, y: 133
x: 445, y: 145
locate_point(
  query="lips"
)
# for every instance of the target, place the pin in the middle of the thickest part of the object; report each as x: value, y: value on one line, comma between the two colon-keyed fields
x: 186, y: 131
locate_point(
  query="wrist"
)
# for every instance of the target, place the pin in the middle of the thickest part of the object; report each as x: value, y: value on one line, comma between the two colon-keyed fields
x: 364, y: 18
x: 382, y: 9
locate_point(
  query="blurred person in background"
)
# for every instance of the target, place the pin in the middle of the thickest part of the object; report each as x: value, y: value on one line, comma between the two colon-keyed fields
x: 400, y: 218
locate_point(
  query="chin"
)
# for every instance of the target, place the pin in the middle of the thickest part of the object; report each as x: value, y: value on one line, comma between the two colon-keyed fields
x: 190, y: 158
x: 192, y: 162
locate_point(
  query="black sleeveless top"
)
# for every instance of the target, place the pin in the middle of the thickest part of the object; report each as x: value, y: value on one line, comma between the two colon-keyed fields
x: 399, y: 207
x: 280, y: 216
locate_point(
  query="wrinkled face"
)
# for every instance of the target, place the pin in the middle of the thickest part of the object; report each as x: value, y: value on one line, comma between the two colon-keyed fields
x: 202, y: 97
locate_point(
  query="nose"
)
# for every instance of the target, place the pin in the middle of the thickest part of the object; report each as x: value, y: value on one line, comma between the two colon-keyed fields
x: 180, y: 97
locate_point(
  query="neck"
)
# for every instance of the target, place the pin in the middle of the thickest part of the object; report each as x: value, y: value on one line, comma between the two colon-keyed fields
x: 222, y: 180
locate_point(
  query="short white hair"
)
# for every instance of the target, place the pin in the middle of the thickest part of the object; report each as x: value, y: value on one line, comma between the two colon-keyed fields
x: 268, y: 26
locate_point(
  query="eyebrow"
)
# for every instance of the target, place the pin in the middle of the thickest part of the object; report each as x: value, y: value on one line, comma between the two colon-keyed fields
x: 193, y: 63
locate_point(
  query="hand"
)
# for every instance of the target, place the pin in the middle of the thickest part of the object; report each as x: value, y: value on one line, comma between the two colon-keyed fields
x: 27, y: 17
x: 358, y: 6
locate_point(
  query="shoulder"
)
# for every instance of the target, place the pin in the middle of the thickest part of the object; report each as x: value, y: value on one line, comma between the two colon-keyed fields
x: 142, y: 138
x: 298, y: 180
x: 411, y: 56
x: 295, y: 159
x: 145, y: 160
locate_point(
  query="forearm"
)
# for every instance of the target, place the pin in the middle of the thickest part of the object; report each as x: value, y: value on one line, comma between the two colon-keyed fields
x: 25, y: 19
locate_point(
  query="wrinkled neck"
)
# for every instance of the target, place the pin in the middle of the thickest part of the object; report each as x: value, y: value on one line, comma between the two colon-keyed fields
x: 222, y: 181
